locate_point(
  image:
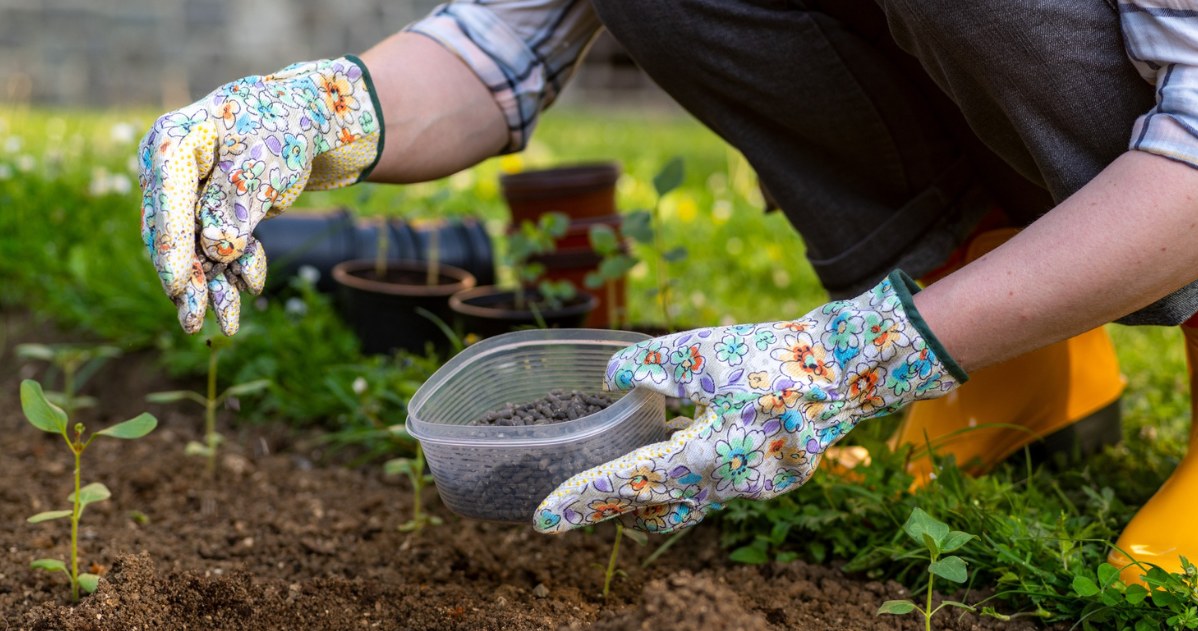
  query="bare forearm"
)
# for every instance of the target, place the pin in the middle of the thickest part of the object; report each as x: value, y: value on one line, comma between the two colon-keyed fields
x: 1123, y: 241
x: 439, y: 116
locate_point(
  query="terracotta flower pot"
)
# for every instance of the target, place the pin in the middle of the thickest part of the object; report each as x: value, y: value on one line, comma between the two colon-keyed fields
x: 384, y: 312
x: 489, y: 310
x: 580, y: 191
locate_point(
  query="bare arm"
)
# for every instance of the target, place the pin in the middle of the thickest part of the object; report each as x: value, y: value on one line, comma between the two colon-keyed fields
x: 440, y: 118
x: 1126, y: 239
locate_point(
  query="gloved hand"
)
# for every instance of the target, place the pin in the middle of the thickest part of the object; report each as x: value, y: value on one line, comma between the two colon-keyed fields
x: 772, y: 398
x: 245, y: 152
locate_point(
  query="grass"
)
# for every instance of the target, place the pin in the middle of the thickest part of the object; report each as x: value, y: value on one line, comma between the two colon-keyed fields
x: 71, y: 252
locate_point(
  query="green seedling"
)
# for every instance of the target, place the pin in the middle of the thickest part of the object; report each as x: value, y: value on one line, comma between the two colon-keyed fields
x: 76, y: 362
x: 647, y: 228
x: 211, y: 402
x: 616, y: 261
x: 531, y: 240
x: 612, y: 570
x: 413, y: 468
x: 936, y: 537
x: 52, y: 419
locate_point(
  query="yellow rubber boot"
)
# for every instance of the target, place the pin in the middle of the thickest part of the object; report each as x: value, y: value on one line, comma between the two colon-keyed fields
x: 1162, y: 532
x: 1059, y: 398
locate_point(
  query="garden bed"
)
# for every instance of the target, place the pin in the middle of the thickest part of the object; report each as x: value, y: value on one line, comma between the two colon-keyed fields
x: 283, y: 540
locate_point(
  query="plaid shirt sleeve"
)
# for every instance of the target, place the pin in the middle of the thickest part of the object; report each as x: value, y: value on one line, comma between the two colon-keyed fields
x: 1161, y: 37
x: 523, y: 50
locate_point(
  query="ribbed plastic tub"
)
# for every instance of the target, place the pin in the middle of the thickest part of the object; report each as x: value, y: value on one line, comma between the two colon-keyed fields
x: 503, y: 473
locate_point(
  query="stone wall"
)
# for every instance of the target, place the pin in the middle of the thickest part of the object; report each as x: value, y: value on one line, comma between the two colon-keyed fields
x: 165, y: 53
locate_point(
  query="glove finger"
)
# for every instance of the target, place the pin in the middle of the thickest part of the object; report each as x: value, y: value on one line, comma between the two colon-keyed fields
x: 652, y: 475
x: 248, y: 273
x: 192, y: 300
x: 184, y: 166
x: 226, y: 302
x: 225, y: 217
x: 664, y: 519
x: 701, y: 364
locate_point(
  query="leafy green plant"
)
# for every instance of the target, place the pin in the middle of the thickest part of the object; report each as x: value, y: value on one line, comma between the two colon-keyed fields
x: 51, y: 418
x: 528, y: 241
x: 414, y: 469
x: 76, y: 363
x: 211, y: 402
x: 1168, y: 599
x: 616, y: 261
x: 936, y: 537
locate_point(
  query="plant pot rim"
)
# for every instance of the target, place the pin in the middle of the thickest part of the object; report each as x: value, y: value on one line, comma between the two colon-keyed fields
x: 343, y: 274
x: 551, y: 182
x: 459, y: 303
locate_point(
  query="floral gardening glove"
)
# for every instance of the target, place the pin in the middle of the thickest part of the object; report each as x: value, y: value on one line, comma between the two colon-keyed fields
x: 245, y: 152
x: 772, y: 398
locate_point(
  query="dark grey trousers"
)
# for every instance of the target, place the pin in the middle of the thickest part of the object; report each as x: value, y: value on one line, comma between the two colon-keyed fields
x: 885, y: 129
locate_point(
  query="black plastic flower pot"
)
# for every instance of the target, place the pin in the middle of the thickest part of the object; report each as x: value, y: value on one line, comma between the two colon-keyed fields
x: 322, y: 240
x: 398, y: 311
x: 487, y: 311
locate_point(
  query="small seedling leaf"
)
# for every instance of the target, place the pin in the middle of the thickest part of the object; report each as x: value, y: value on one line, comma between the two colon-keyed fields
x: 603, y: 239
x: 921, y: 523
x: 958, y: 604
x: 639, y: 537
x: 133, y: 428
x: 675, y: 255
x: 638, y: 225
x: 94, y: 492
x: 950, y: 568
x: 670, y: 176
x: 1135, y: 594
x: 172, y: 396
x: 896, y: 607
x: 49, y: 565
x: 40, y: 412
x: 593, y: 280
x: 35, y: 351
x: 752, y: 555
x: 397, y: 466
x: 931, y: 544
x: 616, y: 266
x: 251, y: 387
x: 1164, y: 599
x: 89, y: 582
x: 955, y: 540
x: 48, y: 515
x: 194, y: 448
x: 785, y: 557
x: 1107, y: 574
x: 1084, y: 586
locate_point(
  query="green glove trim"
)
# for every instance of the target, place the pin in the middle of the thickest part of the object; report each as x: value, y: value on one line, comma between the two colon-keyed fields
x: 378, y: 111
x: 905, y: 288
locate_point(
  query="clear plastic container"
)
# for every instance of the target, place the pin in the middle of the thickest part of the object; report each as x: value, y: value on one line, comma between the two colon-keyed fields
x: 503, y: 473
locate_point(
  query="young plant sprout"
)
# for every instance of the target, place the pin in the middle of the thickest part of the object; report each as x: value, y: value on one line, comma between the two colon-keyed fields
x: 76, y: 362
x: 51, y: 418
x: 413, y: 468
x: 612, y: 570
x: 669, y: 178
x: 616, y: 261
x: 211, y: 403
x: 530, y: 240
x: 936, y: 537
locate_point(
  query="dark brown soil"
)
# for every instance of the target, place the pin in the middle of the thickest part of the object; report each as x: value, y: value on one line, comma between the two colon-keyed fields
x: 556, y: 407
x: 282, y: 541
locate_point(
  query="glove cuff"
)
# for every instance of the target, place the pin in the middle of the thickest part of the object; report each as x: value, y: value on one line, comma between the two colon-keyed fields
x: 378, y: 113
x: 905, y: 289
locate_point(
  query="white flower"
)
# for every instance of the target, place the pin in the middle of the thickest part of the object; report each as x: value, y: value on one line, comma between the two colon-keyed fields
x: 120, y: 184
x: 360, y: 386
x: 99, y: 184
x: 5, y: 172
x: 122, y: 133
x: 308, y: 274
x: 295, y: 307
x: 12, y: 144
x: 26, y: 163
